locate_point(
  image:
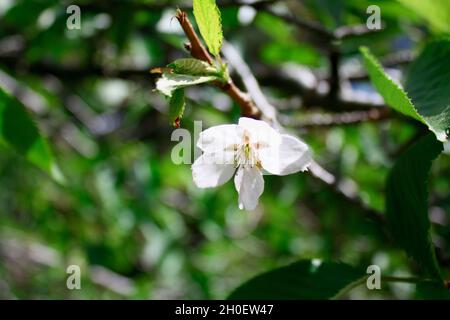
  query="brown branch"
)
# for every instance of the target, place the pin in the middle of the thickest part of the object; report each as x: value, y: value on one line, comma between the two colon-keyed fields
x: 198, y: 51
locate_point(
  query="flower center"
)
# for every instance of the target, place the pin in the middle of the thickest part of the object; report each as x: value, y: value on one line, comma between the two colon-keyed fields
x: 246, y: 153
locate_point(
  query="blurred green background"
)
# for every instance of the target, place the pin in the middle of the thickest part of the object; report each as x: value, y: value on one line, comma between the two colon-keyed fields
x: 133, y: 220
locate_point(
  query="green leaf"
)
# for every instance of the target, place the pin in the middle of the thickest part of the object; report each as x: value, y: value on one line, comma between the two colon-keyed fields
x: 396, y: 97
x: 428, y: 85
x: 407, y: 203
x: 169, y: 82
x: 304, y: 279
x: 176, y: 107
x: 19, y: 132
x: 193, y: 67
x: 207, y: 15
x: 436, y: 12
x: 392, y: 93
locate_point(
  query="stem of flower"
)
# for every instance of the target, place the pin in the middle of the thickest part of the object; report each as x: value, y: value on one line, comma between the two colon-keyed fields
x: 198, y: 51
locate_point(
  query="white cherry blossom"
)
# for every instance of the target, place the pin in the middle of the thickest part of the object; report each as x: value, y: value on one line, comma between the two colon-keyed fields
x: 247, y: 151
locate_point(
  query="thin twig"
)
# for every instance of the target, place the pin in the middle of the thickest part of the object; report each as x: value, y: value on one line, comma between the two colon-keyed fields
x: 337, y: 119
x: 198, y: 51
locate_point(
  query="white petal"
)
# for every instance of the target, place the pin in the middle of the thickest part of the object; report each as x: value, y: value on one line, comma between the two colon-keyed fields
x: 260, y: 131
x: 206, y: 173
x: 219, y: 138
x: 172, y: 81
x: 249, y: 184
x: 290, y: 156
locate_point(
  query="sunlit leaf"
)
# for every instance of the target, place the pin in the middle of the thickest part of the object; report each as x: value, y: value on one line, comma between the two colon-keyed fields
x: 428, y: 85
x: 207, y: 15
x: 397, y: 98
